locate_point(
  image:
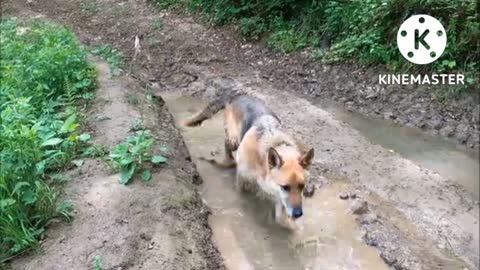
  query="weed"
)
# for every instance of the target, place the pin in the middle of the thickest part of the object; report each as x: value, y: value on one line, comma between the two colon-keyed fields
x: 158, y: 24
x: 133, y: 156
x: 252, y: 28
x: 132, y: 99
x: 44, y: 72
x: 98, y: 262
x: 154, y: 42
x: 137, y: 125
x: 90, y: 6
x: 95, y: 151
x: 113, y: 57
x: 163, y: 4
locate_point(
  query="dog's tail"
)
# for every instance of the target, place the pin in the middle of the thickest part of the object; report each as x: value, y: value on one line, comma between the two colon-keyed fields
x: 211, y: 109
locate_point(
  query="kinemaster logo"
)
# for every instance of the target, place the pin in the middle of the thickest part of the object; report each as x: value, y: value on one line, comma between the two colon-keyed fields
x: 421, y: 39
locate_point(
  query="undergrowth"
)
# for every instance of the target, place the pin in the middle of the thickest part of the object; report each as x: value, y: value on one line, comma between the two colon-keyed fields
x: 363, y: 31
x: 44, y: 73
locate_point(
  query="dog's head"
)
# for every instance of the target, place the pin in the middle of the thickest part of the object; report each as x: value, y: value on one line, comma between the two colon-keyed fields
x: 289, y: 176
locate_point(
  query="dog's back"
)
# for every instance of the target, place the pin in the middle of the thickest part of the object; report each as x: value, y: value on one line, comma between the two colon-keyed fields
x: 251, y: 109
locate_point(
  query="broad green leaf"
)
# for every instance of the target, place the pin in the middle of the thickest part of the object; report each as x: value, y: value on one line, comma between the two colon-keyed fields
x: 84, y: 137
x: 70, y: 124
x: 29, y: 197
x: 146, y: 175
x: 52, y: 141
x: 126, y: 173
x: 164, y: 148
x: 125, y: 161
x: 159, y: 159
x: 19, y: 185
x: 7, y: 202
x: 78, y: 162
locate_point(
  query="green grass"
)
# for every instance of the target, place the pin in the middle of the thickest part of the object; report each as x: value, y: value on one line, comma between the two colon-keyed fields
x: 97, y: 264
x: 44, y: 73
x: 363, y: 31
x: 135, y: 155
x: 112, y: 56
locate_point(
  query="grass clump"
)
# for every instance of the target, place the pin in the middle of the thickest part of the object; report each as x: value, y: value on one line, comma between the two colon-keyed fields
x: 135, y: 155
x: 44, y: 72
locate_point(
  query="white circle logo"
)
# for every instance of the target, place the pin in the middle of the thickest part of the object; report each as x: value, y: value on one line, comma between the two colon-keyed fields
x: 421, y: 39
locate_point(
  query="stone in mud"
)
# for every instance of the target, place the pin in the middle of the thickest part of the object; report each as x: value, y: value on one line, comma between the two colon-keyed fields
x: 462, y: 133
x: 448, y: 130
x: 196, y: 179
x: 359, y: 207
x: 436, y: 122
x: 343, y: 195
x: 369, y: 218
x: 389, y: 115
x: 388, y: 257
x: 321, y: 181
x: 309, y: 190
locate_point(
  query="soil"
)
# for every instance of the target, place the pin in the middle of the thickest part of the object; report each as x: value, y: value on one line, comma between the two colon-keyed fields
x: 416, y: 218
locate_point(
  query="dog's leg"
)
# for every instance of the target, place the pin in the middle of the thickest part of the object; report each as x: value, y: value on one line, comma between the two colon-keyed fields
x: 229, y: 160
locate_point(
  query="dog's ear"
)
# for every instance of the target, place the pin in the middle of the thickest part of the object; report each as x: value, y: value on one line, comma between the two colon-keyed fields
x: 306, y: 159
x: 274, y: 159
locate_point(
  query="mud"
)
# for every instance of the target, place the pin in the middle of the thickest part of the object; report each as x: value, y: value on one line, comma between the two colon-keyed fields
x: 243, y: 225
x: 416, y: 218
x: 160, y: 224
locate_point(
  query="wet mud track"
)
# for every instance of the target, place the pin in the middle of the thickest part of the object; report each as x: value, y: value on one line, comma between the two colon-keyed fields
x: 417, y: 218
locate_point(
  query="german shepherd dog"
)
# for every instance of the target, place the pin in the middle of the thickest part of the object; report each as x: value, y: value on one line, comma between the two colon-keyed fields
x: 266, y: 156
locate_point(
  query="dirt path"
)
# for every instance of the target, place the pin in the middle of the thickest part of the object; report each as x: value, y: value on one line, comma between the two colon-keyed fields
x: 161, y: 224
x: 425, y: 220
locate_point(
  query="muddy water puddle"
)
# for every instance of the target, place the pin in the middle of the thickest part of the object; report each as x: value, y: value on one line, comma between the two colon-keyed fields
x: 243, y: 226
x: 432, y: 152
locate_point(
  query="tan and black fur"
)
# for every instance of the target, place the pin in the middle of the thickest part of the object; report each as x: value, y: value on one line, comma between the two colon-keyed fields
x: 266, y: 156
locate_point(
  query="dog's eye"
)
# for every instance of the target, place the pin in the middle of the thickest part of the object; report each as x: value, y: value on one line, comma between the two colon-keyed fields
x: 301, y: 186
x: 286, y: 188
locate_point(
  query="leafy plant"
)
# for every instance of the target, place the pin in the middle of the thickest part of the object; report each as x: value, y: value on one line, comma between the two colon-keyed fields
x: 252, y: 28
x: 158, y: 24
x: 89, y: 6
x: 134, y: 155
x: 98, y: 262
x: 44, y: 73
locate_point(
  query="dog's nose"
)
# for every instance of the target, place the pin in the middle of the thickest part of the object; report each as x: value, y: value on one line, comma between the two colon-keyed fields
x: 297, y: 212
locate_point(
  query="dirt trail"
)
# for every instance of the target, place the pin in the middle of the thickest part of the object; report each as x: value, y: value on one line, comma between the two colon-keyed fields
x: 425, y: 220
x: 161, y: 224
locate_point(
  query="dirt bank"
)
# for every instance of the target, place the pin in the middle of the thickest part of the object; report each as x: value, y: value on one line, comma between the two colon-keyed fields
x: 161, y: 224
x: 426, y: 221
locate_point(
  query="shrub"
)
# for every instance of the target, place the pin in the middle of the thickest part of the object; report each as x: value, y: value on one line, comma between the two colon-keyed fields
x: 43, y: 72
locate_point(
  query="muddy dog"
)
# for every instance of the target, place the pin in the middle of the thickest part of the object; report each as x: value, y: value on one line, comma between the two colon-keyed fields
x: 266, y: 156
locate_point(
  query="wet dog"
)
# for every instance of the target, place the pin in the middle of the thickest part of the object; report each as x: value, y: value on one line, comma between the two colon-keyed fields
x: 266, y: 156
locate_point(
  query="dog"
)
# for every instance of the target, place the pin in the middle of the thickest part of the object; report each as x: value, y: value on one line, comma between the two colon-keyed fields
x: 266, y: 156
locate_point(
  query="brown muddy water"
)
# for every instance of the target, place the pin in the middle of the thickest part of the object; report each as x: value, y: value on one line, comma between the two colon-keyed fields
x: 243, y: 226
x: 445, y: 157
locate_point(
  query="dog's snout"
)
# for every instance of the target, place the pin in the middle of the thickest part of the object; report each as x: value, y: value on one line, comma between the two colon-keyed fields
x: 297, y: 212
